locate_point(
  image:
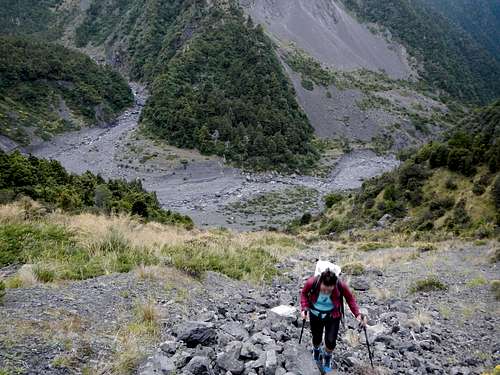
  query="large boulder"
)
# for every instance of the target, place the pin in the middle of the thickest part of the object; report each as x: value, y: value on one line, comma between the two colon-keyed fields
x: 235, y: 330
x: 229, y: 360
x: 195, y: 333
x: 299, y: 360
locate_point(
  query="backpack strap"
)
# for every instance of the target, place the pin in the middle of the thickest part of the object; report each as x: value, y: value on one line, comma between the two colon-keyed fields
x: 341, y: 292
x: 313, y: 289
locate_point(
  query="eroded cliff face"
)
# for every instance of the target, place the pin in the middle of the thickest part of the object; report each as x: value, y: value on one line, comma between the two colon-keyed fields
x: 327, y: 32
x: 323, y: 31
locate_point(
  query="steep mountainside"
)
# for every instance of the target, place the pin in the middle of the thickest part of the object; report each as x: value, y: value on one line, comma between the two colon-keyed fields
x: 329, y: 34
x: 216, y: 83
x: 480, y: 18
x: 375, y: 92
x: 46, y: 88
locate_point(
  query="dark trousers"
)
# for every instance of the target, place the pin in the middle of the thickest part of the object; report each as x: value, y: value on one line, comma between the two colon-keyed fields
x: 331, y: 328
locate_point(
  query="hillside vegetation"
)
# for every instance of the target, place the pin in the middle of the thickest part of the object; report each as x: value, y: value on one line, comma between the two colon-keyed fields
x: 447, y: 187
x: 44, y: 19
x: 48, y: 183
x: 61, y: 246
x: 46, y: 88
x: 481, y: 19
x: 452, y: 60
x: 227, y: 94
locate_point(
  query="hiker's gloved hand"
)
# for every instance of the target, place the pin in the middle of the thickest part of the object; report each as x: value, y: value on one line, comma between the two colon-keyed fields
x: 303, y: 314
x: 362, y: 319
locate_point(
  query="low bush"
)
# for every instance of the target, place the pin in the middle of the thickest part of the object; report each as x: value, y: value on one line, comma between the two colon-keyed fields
x: 428, y: 285
x: 355, y: 268
x: 332, y: 199
x: 495, y: 288
x: 2, y: 290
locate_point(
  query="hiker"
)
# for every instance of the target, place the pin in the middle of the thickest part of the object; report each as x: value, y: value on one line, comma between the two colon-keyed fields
x: 321, y: 299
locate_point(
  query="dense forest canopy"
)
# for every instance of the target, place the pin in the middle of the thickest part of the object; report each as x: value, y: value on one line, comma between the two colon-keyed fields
x: 227, y: 94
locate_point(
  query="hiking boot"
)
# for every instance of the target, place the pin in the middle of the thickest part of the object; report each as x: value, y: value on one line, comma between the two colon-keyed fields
x: 317, y: 354
x: 327, y: 364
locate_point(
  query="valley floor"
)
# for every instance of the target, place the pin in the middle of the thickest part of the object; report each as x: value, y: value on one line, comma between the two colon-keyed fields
x: 203, y: 187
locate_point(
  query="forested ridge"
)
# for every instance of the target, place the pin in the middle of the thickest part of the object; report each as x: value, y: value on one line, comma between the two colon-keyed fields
x: 480, y: 18
x: 47, y: 88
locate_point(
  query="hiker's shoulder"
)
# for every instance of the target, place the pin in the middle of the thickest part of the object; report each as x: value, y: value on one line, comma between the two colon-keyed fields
x: 343, y: 284
x: 310, y: 281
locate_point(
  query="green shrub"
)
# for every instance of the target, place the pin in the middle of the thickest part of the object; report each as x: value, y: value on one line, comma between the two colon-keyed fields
x: 450, y: 184
x: 460, y: 160
x: 307, y: 84
x: 444, y: 203
x: 478, y: 189
x: 305, y: 218
x: 438, y: 156
x: 43, y: 274
x: 332, y: 226
x: 370, y: 246
x: 2, y: 290
x: 355, y: 268
x: 495, y: 288
x: 495, y: 191
x: 428, y: 285
x: 332, y: 199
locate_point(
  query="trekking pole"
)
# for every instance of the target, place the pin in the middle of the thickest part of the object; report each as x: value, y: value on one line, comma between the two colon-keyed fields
x: 368, y: 346
x: 302, y: 330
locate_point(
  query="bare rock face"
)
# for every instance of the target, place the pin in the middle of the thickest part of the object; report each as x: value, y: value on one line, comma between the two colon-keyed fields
x: 327, y: 32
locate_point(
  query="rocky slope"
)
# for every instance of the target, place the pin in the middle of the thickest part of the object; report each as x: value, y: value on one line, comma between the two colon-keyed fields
x: 324, y: 33
x: 220, y: 326
x: 327, y: 32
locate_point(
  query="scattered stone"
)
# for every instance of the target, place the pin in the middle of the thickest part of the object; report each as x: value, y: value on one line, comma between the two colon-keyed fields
x: 194, y: 333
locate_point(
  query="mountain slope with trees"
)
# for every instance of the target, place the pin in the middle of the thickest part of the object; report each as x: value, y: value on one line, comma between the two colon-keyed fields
x: 452, y: 60
x: 480, y: 18
x: 46, y: 88
x: 444, y: 187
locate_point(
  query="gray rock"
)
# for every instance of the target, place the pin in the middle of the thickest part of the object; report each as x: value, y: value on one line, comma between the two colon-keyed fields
x: 280, y: 371
x: 236, y: 330
x: 299, y: 360
x: 360, y: 284
x: 271, y: 362
x: 169, y: 347
x: 167, y: 366
x: 401, y: 306
x: 260, y: 338
x: 229, y: 360
x: 199, y: 366
x: 249, y: 351
x: 384, y: 221
x: 194, y: 333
